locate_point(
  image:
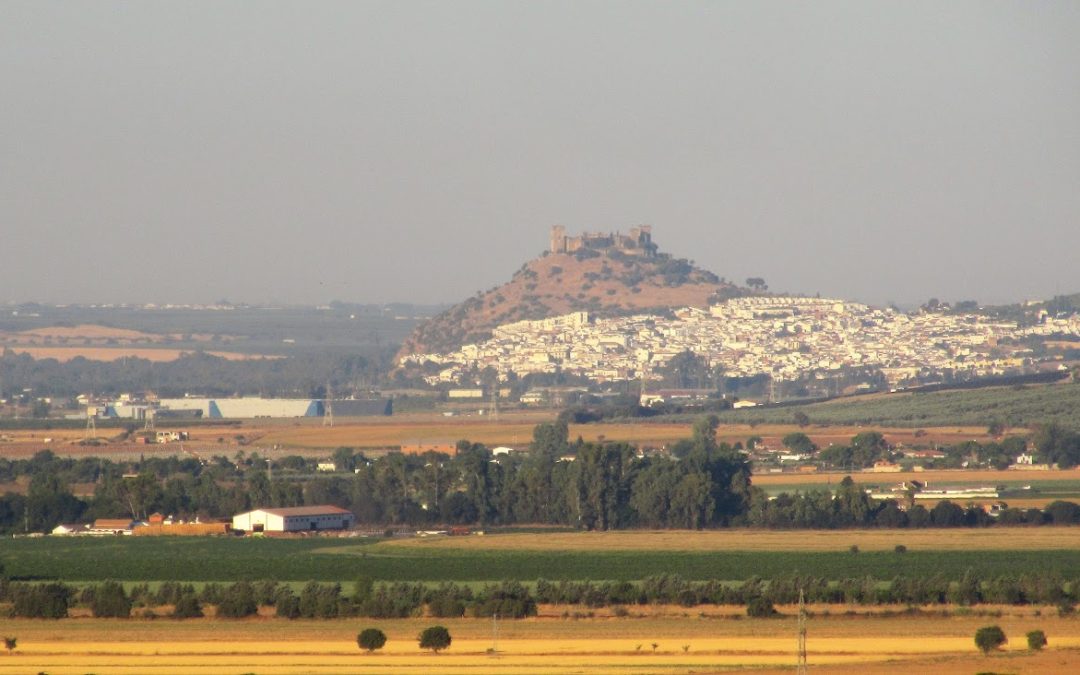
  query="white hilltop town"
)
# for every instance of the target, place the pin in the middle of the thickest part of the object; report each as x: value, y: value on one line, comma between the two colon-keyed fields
x: 783, y: 337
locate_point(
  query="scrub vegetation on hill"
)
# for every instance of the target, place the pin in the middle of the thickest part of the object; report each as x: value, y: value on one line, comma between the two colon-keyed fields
x: 602, y: 282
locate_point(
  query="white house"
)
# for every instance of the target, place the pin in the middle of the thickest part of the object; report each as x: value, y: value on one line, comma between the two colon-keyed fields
x: 294, y: 519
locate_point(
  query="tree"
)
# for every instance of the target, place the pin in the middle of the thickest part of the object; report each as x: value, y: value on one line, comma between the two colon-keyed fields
x: 287, y: 605
x: 435, y: 638
x: 42, y: 601
x: 187, y: 607
x: 1036, y: 640
x: 50, y: 502
x: 344, y: 460
x: 238, y: 601
x: 799, y: 443
x: 989, y: 638
x: 868, y: 447
x: 605, y: 474
x: 373, y: 638
x: 686, y: 370
x: 10, y: 643
x: 760, y: 607
x: 802, y: 419
x: 947, y: 514
x: 110, y: 600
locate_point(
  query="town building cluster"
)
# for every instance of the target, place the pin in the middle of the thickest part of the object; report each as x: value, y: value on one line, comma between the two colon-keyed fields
x: 785, y: 338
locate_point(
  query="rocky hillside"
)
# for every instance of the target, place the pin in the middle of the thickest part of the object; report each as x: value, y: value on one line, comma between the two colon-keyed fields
x: 604, y: 282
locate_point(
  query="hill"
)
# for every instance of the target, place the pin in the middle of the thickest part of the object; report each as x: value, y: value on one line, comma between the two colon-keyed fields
x: 604, y: 274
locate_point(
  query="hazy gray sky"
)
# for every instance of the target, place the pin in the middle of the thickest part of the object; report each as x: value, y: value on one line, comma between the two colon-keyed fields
x: 303, y: 152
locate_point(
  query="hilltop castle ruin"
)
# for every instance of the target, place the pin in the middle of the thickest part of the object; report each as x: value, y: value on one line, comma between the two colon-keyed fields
x: 638, y: 242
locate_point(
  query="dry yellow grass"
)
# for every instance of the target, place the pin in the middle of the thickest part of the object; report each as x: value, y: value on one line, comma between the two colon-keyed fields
x: 535, y: 646
x: 85, y: 331
x: 997, y: 538
x: 516, y: 430
x: 63, y: 354
x: 394, y: 431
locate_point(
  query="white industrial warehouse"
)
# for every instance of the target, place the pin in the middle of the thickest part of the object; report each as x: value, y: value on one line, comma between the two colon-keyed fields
x: 294, y: 519
x: 245, y: 407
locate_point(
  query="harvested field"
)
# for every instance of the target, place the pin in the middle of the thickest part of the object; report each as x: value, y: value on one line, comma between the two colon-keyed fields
x: 94, y: 333
x: 162, y: 354
x: 997, y: 538
x: 516, y: 430
x: 937, y: 477
x: 376, y: 434
x: 541, y: 645
x: 83, y: 331
x: 840, y: 434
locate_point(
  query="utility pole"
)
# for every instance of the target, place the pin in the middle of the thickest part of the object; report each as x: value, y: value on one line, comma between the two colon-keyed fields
x: 91, y: 426
x: 328, y: 407
x: 495, y: 633
x: 495, y: 401
x: 801, y: 667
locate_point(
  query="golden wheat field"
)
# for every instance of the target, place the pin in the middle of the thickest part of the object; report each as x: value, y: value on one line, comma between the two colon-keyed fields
x: 683, y: 644
x: 1005, y: 538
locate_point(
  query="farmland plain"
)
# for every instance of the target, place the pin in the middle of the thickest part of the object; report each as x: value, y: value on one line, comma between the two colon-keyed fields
x: 549, y: 643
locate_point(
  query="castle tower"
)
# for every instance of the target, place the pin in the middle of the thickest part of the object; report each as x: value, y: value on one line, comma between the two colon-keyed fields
x: 558, y: 239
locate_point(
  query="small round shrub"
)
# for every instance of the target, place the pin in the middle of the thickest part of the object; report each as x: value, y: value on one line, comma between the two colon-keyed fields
x: 989, y: 638
x: 1036, y: 640
x: 435, y: 638
x: 760, y: 608
x: 371, y: 639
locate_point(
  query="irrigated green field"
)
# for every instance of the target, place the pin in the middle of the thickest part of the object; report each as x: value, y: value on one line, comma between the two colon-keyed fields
x: 693, y: 555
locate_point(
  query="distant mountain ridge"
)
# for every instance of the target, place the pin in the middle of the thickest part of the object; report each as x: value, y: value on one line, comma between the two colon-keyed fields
x: 605, y: 274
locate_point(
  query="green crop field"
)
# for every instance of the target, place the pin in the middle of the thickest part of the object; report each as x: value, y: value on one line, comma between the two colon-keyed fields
x: 199, y: 559
x: 1013, y: 406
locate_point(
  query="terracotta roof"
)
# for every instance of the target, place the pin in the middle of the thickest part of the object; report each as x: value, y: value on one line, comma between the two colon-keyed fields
x: 113, y: 523
x: 307, y: 511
